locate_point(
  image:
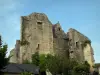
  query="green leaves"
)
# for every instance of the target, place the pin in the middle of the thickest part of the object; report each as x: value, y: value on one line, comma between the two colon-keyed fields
x: 54, y: 64
x: 35, y: 59
x: 26, y: 73
x: 58, y: 65
x: 26, y: 62
x: 82, y: 69
x: 42, y: 62
x: 3, y: 59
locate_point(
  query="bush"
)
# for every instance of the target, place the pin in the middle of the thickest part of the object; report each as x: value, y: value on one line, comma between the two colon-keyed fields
x: 58, y: 65
x: 26, y: 73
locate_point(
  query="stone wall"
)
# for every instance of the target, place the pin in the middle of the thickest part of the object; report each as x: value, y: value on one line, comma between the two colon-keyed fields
x: 13, y: 59
x: 36, y: 35
x: 15, y: 53
x: 76, y: 40
x: 88, y: 55
x: 60, y: 42
x: 80, y: 47
x: 17, y: 50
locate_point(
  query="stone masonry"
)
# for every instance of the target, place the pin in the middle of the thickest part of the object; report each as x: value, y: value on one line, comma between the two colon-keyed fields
x: 38, y: 34
x: 80, y: 47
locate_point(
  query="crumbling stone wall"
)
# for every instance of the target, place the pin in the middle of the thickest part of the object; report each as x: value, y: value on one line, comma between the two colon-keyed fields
x: 88, y: 55
x: 80, y: 47
x: 15, y: 53
x: 60, y: 42
x: 36, y: 35
x: 13, y: 58
x: 39, y: 34
x: 77, y: 40
x: 17, y: 50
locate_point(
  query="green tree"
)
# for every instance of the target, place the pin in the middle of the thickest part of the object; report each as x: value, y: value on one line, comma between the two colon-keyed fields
x: 26, y: 62
x: 58, y: 65
x: 3, y: 59
x: 35, y: 59
x: 82, y: 69
x: 26, y: 73
x: 68, y: 65
x: 54, y: 64
x: 42, y: 63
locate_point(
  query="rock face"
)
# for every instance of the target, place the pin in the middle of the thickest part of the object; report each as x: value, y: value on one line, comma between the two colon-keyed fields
x: 38, y: 34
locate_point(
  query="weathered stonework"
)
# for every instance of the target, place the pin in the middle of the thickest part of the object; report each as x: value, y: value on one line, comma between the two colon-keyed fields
x: 60, y: 41
x: 80, y: 47
x: 13, y: 58
x: 15, y: 53
x: 39, y: 34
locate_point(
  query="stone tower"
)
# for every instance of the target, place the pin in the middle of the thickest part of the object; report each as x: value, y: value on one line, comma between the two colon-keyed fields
x: 60, y: 41
x: 36, y: 35
x: 80, y: 47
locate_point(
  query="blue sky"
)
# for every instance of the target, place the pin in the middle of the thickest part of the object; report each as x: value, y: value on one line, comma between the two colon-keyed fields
x: 83, y: 15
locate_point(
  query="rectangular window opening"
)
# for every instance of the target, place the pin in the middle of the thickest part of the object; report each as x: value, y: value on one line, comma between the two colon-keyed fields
x: 39, y: 22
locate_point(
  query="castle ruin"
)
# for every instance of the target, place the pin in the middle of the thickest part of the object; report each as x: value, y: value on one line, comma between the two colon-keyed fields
x: 38, y: 34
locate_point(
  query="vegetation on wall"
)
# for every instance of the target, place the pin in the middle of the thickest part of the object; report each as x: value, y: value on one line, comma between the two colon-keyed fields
x: 24, y: 42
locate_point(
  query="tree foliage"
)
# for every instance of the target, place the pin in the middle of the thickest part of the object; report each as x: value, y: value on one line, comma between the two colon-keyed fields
x: 26, y: 73
x: 3, y: 59
x: 42, y: 62
x: 26, y: 62
x: 58, y: 65
x: 35, y: 59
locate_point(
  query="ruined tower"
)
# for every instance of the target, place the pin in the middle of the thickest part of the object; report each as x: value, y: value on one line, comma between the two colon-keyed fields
x: 36, y: 35
x: 80, y: 47
x: 60, y: 41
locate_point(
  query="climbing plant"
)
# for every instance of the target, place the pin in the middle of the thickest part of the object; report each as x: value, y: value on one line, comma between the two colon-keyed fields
x: 24, y: 42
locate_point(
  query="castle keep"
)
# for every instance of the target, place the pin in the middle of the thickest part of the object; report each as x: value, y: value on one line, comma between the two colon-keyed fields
x: 38, y: 34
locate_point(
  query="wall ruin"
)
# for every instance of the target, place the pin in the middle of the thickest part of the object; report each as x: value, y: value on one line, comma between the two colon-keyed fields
x: 39, y: 34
